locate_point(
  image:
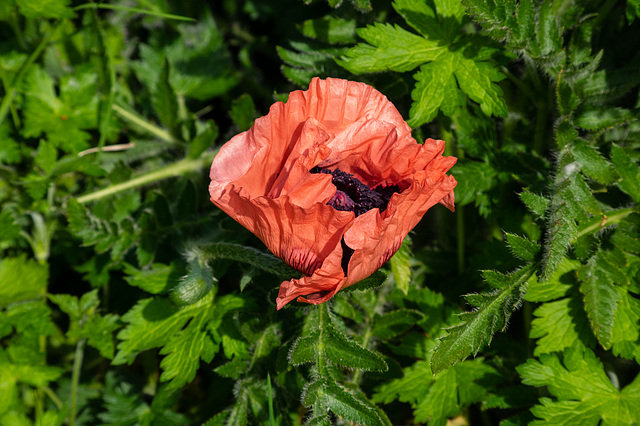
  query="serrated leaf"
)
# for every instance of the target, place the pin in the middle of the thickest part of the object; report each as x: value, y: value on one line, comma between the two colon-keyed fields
x: 476, y: 79
x: 580, y: 390
x: 565, y: 133
x: 477, y: 328
x: 21, y: 279
x: 596, y: 119
x: 31, y: 319
x: 334, y: 397
x: 627, y: 234
x: 592, y: 163
x: 343, y: 351
x: 522, y: 247
x: 389, y: 48
x: 629, y: 172
x: 160, y: 278
x: 559, y: 325
x: 401, y: 266
x: 600, y: 296
x: 537, y: 204
x: 412, y: 387
x: 304, y: 349
x: 430, y: 92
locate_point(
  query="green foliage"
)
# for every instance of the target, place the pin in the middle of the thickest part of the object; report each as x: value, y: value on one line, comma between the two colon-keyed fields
x: 126, y: 297
x: 580, y: 389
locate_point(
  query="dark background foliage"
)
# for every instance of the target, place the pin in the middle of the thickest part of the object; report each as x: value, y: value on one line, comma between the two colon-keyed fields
x: 127, y: 298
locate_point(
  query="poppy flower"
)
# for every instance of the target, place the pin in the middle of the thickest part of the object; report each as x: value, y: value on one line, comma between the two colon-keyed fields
x: 331, y: 182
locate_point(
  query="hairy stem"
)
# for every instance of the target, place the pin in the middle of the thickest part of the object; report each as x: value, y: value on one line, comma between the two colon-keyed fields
x: 602, y: 222
x: 75, y: 379
x: 181, y: 167
x: 144, y: 124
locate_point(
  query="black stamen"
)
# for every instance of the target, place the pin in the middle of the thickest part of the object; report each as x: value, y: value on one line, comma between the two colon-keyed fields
x: 353, y: 195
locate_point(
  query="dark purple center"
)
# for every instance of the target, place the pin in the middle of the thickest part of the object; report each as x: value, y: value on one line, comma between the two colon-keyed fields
x: 354, y: 196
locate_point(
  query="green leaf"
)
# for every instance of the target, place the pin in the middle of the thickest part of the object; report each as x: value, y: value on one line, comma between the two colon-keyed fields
x: 202, y: 71
x: 389, y: 48
x: 477, y: 328
x: 558, y: 285
x: 164, y: 100
x: 411, y: 387
x: 592, y: 163
x: 477, y: 81
x: 395, y: 322
x: 329, y: 29
x: 64, y: 119
x: 559, y: 325
x: 629, y: 172
x: 432, y: 82
x: 31, y: 319
x: 45, y: 8
x: 9, y: 230
x: 303, y: 350
x: 159, y: 279
x: 333, y: 396
x: 565, y: 134
x: 454, y: 389
x: 537, y: 204
x: 401, y: 266
x: 186, y: 347
x: 337, y: 348
x: 46, y: 156
x: 522, y: 247
x: 600, y: 118
x: 205, y: 137
x: 98, y: 331
x: 21, y: 279
x: 580, y: 389
x: 242, y: 112
x: 601, y: 299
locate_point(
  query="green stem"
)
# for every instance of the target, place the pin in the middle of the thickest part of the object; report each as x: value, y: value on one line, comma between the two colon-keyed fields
x: 139, y: 121
x: 105, y: 108
x: 75, y: 379
x: 368, y: 333
x: 176, y: 169
x: 602, y: 222
x: 183, y: 116
x: 321, y: 358
x: 51, y: 394
x: 11, y: 91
